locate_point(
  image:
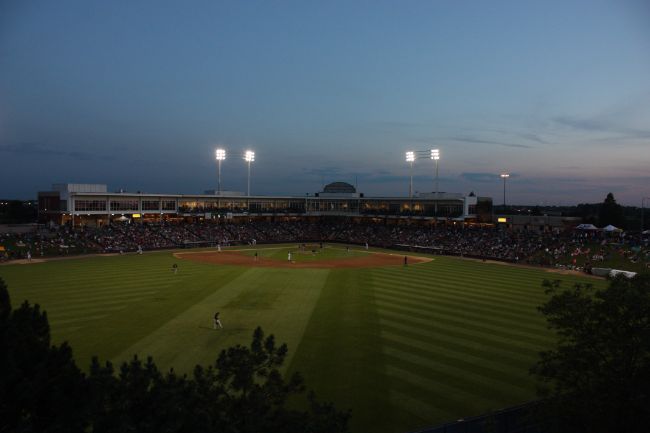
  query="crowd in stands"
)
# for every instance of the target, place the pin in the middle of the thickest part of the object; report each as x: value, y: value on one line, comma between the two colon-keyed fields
x: 536, y: 248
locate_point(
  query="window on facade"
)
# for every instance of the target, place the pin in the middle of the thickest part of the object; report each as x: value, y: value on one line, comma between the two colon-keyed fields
x: 169, y: 205
x: 124, y: 205
x: 89, y: 205
x: 150, y: 205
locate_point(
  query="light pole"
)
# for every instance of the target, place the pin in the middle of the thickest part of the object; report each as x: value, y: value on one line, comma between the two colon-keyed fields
x: 643, y: 215
x: 249, y: 156
x: 410, y: 158
x: 435, y: 155
x: 220, y: 155
x: 504, y: 176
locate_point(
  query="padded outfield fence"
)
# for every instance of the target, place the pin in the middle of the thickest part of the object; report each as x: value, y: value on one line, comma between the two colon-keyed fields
x: 445, y: 252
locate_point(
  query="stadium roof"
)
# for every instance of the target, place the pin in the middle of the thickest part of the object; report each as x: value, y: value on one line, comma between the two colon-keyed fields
x: 339, y: 187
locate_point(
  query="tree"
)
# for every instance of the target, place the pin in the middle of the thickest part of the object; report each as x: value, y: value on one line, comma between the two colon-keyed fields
x: 42, y: 390
x: 597, y: 379
x: 243, y: 392
x: 611, y: 212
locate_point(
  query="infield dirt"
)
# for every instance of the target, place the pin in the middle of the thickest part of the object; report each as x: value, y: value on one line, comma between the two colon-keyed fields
x: 237, y: 258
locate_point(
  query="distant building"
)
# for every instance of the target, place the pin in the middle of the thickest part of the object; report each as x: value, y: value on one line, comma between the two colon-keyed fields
x: 537, y: 223
x: 91, y: 204
x: 339, y: 189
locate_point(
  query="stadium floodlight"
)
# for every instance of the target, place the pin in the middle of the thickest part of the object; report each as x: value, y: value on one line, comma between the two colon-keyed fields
x: 249, y: 157
x: 504, y: 176
x: 220, y: 155
x: 410, y: 158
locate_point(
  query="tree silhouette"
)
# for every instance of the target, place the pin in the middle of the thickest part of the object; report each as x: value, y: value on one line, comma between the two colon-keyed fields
x: 41, y: 388
x: 611, y: 212
x: 597, y: 379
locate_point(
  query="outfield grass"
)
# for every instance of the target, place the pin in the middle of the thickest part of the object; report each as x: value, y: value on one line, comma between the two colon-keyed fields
x: 403, y: 347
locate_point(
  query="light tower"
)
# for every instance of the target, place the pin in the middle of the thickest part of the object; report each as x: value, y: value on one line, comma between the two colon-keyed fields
x: 504, y: 176
x: 435, y: 155
x: 410, y: 158
x: 643, y: 215
x: 249, y: 157
x: 220, y: 155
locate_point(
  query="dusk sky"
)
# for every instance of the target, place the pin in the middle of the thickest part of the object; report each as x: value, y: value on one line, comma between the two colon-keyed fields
x: 138, y: 94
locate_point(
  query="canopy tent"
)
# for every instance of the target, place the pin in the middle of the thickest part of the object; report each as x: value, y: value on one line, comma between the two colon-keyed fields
x: 586, y: 227
x: 610, y: 228
x: 615, y: 272
x: 645, y: 232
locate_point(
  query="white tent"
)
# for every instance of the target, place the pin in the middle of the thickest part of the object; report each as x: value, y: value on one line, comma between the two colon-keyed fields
x: 586, y: 227
x: 628, y: 274
x: 610, y: 228
x: 645, y: 232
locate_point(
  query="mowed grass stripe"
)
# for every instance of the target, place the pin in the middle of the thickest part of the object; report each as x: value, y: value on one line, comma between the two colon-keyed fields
x: 415, y: 412
x: 455, y: 318
x: 527, y: 319
x: 502, y: 274
x: 82, y: 294
x: 513, y: 292
x: 79, y: 301
x: 443, y: 326
x: 101, y: 287
x: 471, y: 344
x: 76, y: 311
x: 453, y: 381
x: 434, y: 394
x: 87, y: 318
x: 102, y: 278
x: 468, y: 311
x: 498, y: 274
x: 454, y: 290
x: 520, y: 310
x: 458, y: 365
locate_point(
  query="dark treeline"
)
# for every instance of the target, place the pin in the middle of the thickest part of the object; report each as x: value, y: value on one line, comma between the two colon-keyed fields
x: 43, y: 390
x: 599, y: 214
x: 18, y: 211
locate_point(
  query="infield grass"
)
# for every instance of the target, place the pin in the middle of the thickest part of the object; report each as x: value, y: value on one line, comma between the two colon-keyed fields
x: 403, y: 347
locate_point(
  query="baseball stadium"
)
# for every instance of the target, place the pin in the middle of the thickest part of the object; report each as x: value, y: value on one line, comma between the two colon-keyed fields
x: 409, y: 312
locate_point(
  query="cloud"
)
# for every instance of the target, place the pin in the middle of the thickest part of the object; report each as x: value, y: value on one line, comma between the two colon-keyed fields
x: 40, y: 149
x: 480, y: 177
x: 533, y: 137
x: 486, y: 177
x: 602, y: 125
x: 322, y: 172
x: 482, y: 141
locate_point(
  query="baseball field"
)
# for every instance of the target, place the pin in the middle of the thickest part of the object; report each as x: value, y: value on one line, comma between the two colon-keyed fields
x: 403, y: 347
